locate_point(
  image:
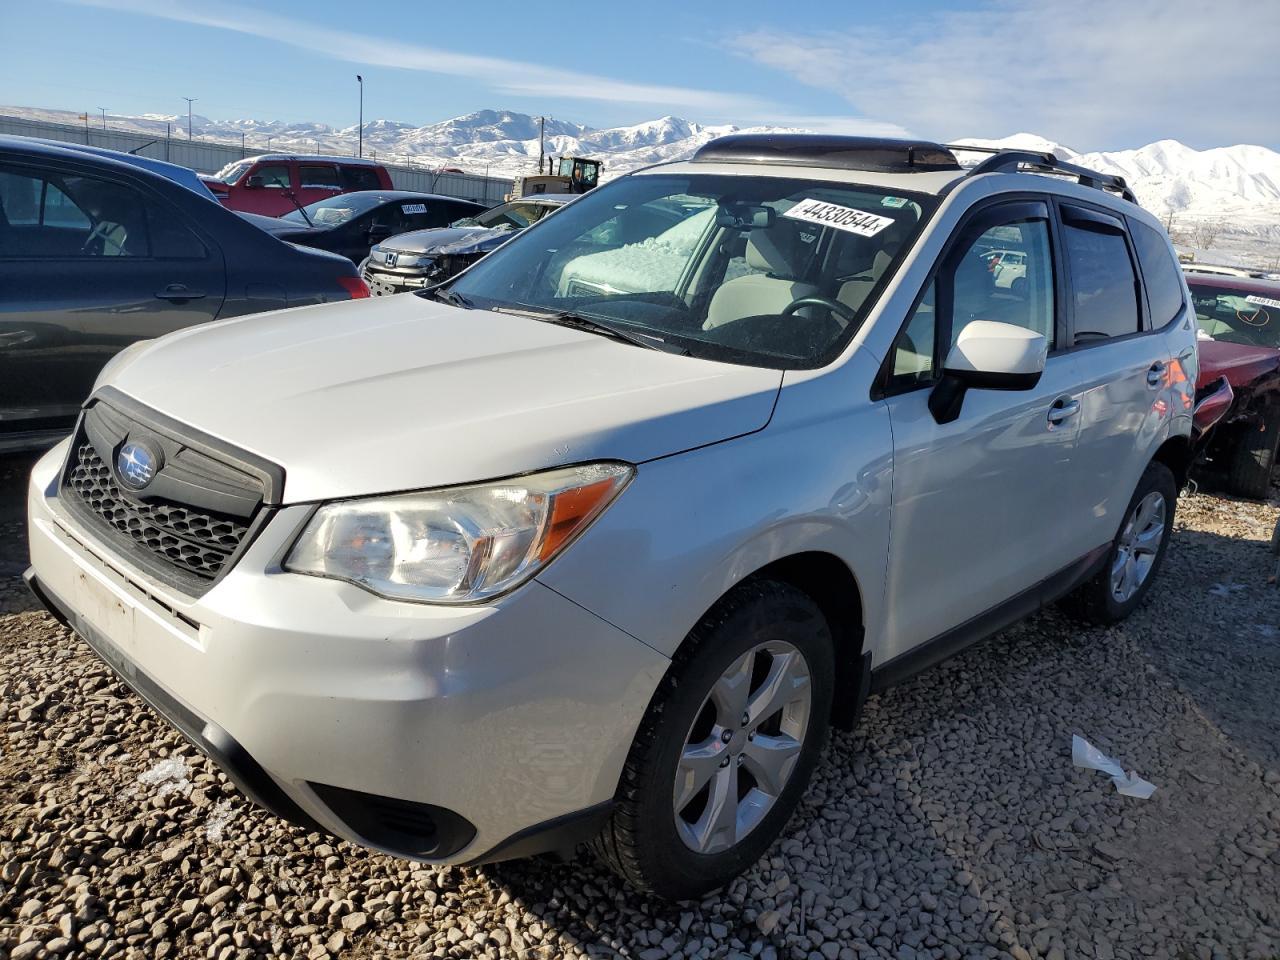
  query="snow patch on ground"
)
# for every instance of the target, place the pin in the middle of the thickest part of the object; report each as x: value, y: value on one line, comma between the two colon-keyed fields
x: 168, y: 776
x: 220, y: 818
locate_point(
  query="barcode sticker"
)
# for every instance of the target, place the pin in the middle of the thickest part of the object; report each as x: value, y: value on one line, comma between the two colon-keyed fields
x: 840, y: 218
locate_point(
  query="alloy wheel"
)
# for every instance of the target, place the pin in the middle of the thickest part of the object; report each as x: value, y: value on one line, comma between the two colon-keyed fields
x: 742, y: 747
x: 1138, y: 546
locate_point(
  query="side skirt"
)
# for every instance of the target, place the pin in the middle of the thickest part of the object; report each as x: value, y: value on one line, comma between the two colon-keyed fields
x: 906, y: 665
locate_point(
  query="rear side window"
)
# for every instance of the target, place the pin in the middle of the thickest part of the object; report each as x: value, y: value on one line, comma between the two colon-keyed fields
x: 1103, y: 281
x: 319, y: 175
x: 1160, y: 271
x: 360, y: 178
x: 171, y: 239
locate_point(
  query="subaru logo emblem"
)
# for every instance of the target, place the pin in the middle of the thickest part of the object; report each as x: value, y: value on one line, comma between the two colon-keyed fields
x: 137, y: 464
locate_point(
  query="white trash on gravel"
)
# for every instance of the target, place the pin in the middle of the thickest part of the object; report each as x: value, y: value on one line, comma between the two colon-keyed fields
x: 1085, y: 754
x: 219, y: 819
x: 167, y: 776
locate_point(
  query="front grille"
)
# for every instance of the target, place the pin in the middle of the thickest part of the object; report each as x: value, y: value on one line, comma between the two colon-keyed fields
x: 201, y: 544
x: 190, y: 521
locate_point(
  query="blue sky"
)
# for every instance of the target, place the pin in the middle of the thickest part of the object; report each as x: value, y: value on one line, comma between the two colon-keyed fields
x: 1094, y: 74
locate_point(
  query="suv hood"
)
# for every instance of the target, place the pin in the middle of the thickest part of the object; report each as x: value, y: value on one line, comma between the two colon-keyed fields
x: 403, y: 393
x: 449, y: 240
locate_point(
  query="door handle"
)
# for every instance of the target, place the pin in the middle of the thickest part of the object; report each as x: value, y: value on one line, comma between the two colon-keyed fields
x: 1063, y: 408
x: 1156, y: 375
x: 179, y: 291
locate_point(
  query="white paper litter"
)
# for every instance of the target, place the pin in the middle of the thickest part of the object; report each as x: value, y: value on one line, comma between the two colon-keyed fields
x: 1085, y: 754
x: 167, y: 776
x: 219, y: 817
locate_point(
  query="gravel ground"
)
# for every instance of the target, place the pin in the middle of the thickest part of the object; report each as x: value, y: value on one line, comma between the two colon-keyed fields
x: 950, y: 824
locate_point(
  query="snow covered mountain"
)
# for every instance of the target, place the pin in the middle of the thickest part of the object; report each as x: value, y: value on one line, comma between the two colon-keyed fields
x: 1237, y: 187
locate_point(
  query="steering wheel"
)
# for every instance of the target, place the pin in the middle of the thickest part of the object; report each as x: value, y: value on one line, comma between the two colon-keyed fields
x: 841, y: 310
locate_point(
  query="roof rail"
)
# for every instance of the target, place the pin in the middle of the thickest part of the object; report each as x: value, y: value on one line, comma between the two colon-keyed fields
x: 1011, y: 161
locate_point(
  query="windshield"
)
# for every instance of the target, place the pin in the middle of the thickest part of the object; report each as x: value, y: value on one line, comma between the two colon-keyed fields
x: 232, y: 171
x: 333, y: 211
x: 515, y: 215
x: 768, y: 271
x: 1238, y: 316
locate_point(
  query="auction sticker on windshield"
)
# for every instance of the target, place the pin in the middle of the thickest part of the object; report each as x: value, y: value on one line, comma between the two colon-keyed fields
x: 413, y: 208
x: 1262, y: 301
x: 841, y: 218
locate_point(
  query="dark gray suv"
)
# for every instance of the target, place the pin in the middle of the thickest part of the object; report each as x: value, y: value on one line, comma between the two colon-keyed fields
x: 98, y: 252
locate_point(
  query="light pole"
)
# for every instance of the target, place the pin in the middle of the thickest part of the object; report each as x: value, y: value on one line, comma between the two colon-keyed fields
x: 190, y: 101
x: 103, y: 111
x: 268, y: 144
x: 360, y: 80
x: 542, y: 129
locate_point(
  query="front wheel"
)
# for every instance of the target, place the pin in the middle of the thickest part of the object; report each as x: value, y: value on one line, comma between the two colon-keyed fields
x: 727, y: 746
x: 1135, y: 555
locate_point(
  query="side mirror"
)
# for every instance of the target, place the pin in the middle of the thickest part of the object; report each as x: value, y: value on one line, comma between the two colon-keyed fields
x: 988, y: 356
x: 254, y: 183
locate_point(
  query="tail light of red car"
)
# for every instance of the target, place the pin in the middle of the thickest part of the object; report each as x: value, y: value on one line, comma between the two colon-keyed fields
x: 354, y: 286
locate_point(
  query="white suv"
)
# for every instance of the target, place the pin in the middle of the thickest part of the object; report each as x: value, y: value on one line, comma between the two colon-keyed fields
x: 595, y: 542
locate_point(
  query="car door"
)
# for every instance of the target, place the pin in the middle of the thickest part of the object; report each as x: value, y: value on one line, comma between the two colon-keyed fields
x: 99, y: 260
x: 977, y: 516
x: 1128, y: 374
x: 267, y: 188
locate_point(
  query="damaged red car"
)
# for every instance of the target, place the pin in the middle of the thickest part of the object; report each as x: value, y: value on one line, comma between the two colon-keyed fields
x: 1238, y: 392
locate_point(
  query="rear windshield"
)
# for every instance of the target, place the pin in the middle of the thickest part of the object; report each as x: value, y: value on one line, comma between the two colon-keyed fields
x: 334, y: 211
x: 767, y: 271
x: 1233, y: 315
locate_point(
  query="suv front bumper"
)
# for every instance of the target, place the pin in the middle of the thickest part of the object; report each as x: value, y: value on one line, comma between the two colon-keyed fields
x: 446, y: 734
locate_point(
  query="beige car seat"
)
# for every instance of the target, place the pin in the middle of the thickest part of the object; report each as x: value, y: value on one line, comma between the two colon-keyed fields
x: 777, y: 254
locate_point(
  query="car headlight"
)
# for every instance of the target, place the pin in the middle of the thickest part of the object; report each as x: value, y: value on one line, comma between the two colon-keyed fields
x: 460, y: 544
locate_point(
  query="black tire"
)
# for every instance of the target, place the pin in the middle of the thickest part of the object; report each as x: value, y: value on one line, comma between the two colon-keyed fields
x: 1254, y: 458
x: 1093, y: 601
x: 640, y: 842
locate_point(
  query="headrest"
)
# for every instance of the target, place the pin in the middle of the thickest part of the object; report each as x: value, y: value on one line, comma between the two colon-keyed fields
x: 777, y: 250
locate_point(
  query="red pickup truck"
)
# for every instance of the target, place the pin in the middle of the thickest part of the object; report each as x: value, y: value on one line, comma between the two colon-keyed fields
x: 275, y: 184
x: 1238, y: 391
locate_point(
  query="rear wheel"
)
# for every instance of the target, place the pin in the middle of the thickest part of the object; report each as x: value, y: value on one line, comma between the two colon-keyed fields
x: 1135, y: 555
x: 1254, y: 458
x: 727, y: 746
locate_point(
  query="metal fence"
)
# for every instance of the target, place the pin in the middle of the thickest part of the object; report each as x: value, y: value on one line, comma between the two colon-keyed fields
x: 207, y: 156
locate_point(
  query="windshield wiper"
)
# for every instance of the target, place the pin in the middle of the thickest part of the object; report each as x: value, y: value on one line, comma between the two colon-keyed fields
x: 579, y: 321
x: 301, y: 210
x: 445, y: 295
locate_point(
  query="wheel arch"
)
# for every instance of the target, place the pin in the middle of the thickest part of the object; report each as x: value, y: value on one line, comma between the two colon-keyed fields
x: 829, y: 582
x: 1176, y: 453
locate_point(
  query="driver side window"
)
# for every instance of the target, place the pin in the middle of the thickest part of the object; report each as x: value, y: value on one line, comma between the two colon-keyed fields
x: 1005, y: 274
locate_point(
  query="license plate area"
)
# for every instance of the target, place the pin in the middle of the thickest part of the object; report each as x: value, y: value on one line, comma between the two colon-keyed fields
x: 105, y: 611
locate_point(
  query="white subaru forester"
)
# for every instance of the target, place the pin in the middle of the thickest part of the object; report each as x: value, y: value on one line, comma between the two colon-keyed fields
x: 596, y: 541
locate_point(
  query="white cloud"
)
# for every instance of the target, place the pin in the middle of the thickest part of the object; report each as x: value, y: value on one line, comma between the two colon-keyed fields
x: 1091, y: 73
x: 504, y: 76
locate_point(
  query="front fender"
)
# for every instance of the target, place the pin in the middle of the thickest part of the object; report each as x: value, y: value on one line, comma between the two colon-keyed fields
x: 692, y: 526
